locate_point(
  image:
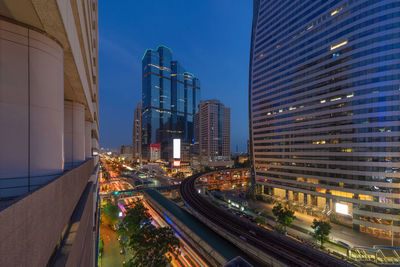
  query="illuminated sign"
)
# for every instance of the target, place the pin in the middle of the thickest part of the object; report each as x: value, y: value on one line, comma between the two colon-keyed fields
x: 177, y: 163
x: 177, y: 148
x: 342, y: 208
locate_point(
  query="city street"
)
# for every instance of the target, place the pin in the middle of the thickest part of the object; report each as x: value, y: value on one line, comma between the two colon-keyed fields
x: 111, y: 249
x: 338, y: 232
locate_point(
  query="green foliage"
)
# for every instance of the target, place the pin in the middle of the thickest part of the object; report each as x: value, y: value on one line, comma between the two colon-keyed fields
x: 101, y: 244
x: 261, y: 220
x: 147, y: 243
x: 284, y: 216
x: 322, y: 230
x: 180, y: 175
x: 265, y: 213
x: 109, y: 214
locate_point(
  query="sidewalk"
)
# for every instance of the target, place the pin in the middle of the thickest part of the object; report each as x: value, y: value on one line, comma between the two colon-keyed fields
x: 338, y: 233
x: 111, y: 256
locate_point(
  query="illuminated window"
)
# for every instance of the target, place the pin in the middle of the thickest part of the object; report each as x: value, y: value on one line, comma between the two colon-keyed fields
x: 366, y: 197
x: 333, y: 47
x: 341, y: 194
x: 336, y: 11
x: 348, y: 150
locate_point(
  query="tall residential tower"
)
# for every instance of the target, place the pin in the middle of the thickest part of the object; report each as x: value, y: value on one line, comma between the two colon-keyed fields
x: 213, y: 133
x: 170, y: 98
x: 137, y: 133
x: 325, y: 108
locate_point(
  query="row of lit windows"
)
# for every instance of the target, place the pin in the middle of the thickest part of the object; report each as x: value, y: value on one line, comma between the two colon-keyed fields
x: 300, y: 50
x: 290, y: 33
x: 374, y: 139
x: 377, y: 220
x: 330, y: 64
x: 339, y: 112
x: 356, y: 74
x: 286, y: 29
x: 332, y: 72
x: 194, y: 84
x: 388, y: 200
x: 359, y: 83
x: 299, y: 65
x: 333, y: 149
x: 349, y: 158
x: 322, y: 175
x: 332, y: 166
x: 337, y: 123
x: 377, y: 209
x: 333, y: 133
x: 356, y: 93
x: 270, y: 90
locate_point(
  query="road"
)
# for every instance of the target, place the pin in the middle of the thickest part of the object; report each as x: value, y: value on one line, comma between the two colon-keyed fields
x: 188, y: 256
x: 111, y: 255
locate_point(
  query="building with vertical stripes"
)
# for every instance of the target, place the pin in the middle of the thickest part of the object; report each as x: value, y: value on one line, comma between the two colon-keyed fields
x: 325, y: 108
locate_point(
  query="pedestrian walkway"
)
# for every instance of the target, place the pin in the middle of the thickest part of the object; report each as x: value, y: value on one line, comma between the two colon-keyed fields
x: 340, y: 233
x: 111, y: 255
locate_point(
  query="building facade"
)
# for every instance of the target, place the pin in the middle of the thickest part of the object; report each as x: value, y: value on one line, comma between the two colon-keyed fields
x: 324, y: 108
x: 137, y: 133
x: 213, y: 133
x: 49, y: 132
x: 170, y: 97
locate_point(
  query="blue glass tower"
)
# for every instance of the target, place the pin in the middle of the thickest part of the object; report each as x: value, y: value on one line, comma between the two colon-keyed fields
x: 170, y: 97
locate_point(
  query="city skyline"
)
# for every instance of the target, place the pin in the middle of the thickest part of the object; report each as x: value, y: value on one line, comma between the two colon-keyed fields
x: 201, y: 51
x: 120, y: 124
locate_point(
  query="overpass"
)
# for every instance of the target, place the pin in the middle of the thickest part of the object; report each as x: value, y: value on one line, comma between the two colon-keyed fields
x: 212, y: 247
x: 269, y: 247
x: 137, y: 190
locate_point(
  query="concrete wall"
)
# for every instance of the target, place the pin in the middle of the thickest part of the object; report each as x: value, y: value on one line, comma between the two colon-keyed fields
x: 31, y: 109
x: 74, y: 134
x: 32, y: 226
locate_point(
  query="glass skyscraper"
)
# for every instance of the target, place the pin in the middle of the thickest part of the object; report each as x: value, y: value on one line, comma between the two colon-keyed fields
x: 170, y: 98
x: 324, y: 108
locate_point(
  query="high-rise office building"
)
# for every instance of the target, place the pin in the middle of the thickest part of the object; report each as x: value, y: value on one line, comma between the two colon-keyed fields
x: 212, y: 133
x: 324, y: 97
x: 49, y: 132
x: 137, y: 132
x: 170, y: 97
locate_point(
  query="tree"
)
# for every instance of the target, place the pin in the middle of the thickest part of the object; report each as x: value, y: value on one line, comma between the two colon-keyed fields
x: 149, y: 245
x: 260, y: 220
x: 109, y: 214
x: 284, y: 216
x: 322, y: 230
x: 180, y: 175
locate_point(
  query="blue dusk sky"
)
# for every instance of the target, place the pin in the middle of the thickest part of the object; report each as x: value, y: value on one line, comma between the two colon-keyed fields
x: 210, y: 38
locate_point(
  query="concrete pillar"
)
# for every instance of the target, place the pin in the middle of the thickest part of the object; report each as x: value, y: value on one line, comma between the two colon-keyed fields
x: 31, y: 109
x: 88, y: 139
x: 74, y: 134
x: 309, y: 202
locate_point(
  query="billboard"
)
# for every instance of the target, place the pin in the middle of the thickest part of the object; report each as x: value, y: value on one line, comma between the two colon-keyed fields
x: 342, y: 208
x: 177, y: 148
